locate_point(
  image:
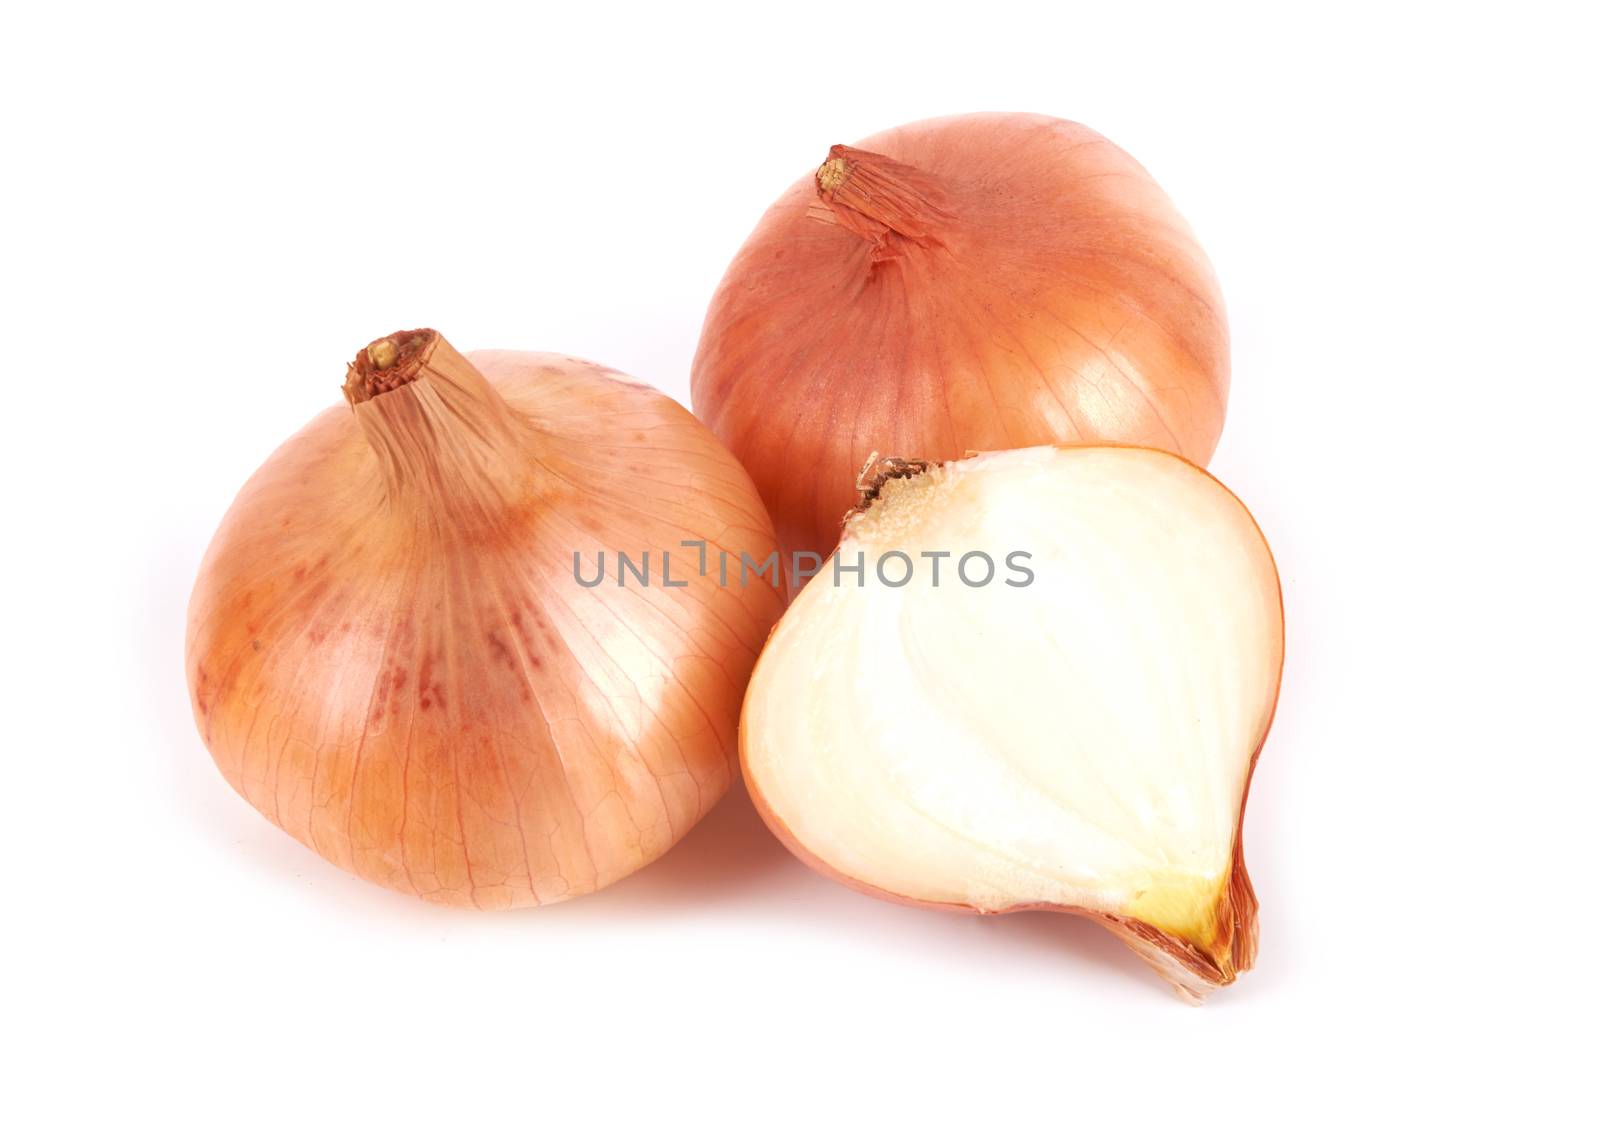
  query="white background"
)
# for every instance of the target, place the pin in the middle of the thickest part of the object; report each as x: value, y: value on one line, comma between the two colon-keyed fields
x: 208, y: 210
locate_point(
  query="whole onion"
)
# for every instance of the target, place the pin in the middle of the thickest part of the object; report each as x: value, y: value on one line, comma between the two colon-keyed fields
x: 967, y: 283
x: 391, y: 656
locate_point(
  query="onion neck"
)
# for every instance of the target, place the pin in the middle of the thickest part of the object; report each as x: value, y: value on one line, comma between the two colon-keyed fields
x: 446, y: 441
x: 887, y: 204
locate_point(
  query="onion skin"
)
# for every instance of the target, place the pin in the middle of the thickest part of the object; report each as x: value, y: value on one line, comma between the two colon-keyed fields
x: 980, y: 282
x: 1193, y: 970
x: 389, y: 657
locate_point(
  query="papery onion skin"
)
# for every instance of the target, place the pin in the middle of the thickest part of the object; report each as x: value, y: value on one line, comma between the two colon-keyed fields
x: 389, y: 656
x: 979, y: 282
x: 1193, y: 966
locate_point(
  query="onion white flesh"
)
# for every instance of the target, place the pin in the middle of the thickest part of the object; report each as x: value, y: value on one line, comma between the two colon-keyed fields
x: 1083, y: 742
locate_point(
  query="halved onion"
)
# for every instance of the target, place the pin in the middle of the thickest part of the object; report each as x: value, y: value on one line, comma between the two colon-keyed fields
x: 1073, y: 728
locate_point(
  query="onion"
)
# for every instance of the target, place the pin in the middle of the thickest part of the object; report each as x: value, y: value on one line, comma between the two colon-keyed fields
x: 968, y: 283
x: 391, y: 657
x: 1045, y: 688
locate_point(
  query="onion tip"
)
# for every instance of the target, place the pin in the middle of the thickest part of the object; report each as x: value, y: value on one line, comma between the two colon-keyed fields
x: 386, y: 364
x: 833, y: 171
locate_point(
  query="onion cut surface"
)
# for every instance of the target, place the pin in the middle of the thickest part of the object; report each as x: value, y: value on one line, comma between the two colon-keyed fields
x: 1083, y: 742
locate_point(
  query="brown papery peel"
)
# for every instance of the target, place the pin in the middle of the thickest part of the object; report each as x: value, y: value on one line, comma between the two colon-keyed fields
x: 1071, y: 726
x: 962, y: 284
x: 390, y: 657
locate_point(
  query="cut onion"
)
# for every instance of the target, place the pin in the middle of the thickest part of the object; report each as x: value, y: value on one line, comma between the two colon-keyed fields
x: 1072, y: 729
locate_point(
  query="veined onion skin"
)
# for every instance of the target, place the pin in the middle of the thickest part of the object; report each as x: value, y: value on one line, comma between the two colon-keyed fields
x: 389, y: 656
x: 1083, y: 742
x: 980, y: 282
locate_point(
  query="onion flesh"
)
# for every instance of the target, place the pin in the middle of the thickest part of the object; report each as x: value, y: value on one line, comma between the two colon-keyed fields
x: 1083, y: 742
x: 390, y: 657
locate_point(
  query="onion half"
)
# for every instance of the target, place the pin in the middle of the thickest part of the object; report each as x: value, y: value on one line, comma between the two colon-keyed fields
x: 1076, y: 732
x: 967, y: 283
x: 391, y: 657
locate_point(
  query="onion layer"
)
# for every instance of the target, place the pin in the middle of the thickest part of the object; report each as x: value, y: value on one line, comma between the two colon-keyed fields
x: 1045, y: 689
x: 390, y: 656
x: 967, y: 283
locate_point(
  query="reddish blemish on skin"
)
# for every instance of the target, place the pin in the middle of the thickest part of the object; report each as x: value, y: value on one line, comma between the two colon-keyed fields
x: 202, y: 700
x: 388, y: 687
x: 501, y: 651
x: 429, y: 692
x: 526, y: 637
